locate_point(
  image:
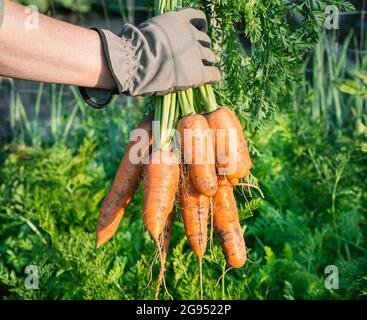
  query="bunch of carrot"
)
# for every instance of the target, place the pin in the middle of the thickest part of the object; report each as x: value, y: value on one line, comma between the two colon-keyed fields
x: 191, y: 150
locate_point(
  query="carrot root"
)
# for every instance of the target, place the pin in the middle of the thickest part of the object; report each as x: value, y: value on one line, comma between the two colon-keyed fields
x: 195, y: 211
x: 227, y: 226
x: 123, y: 187
x: 163, y: 247
x: 232, y: 159
x: 197, y: 146
x: 161, y: 178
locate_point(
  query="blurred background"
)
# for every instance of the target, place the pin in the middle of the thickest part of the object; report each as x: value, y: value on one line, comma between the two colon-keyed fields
x: 309, y: 144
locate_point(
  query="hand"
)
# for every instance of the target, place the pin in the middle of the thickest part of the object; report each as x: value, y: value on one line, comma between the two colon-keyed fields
x: 165, y: 54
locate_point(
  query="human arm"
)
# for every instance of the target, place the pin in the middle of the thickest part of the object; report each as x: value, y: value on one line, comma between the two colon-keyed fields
x: 54, y: 52
x: 165, y: 54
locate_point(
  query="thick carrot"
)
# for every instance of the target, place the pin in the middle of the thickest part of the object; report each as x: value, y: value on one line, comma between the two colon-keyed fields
x: 232, y: 156
x: 123, y: 187
x: 227, y: 226
x: 195, y: 212
x: 197, y: 147
x: 161, y: 177
x: 164, y: 246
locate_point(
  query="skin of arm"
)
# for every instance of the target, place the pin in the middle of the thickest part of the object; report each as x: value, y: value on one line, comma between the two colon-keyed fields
x: 53, y: 52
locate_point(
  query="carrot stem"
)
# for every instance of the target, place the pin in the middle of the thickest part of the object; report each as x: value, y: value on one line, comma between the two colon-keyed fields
x: 207, y: 96
x: 211, y: 96
x: 172, y: 111
x: 186, y: 102
x: 157, y: 121
x: 168, y: 118
x: 190, y: 96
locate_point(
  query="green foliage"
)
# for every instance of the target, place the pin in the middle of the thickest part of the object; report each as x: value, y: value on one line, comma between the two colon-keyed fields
x: 357, y: 86
x: 50, y: 198
x: 316, y: 204
x: 261, y: 72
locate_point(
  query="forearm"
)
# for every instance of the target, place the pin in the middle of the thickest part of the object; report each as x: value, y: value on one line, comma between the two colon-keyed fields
x: 55, y: 52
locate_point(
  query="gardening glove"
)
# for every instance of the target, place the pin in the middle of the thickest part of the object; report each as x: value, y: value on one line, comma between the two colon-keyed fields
x: 165, y: 54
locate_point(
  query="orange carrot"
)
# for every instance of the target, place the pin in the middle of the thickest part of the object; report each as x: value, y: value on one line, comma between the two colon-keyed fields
x: 227, y: 226
x: 232, y: 156
x: 161, y: 177
x: 197, y: 147
x: 123, y: 188
x: 195, y: 212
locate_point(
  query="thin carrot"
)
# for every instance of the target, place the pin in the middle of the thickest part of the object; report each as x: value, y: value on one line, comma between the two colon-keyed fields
x: 161, y: 177
x: 227, y: 226
x: 123, y: 188
x: 195, y: 213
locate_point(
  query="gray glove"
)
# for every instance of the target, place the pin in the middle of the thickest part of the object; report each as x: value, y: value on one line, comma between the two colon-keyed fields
x: 165, y: 54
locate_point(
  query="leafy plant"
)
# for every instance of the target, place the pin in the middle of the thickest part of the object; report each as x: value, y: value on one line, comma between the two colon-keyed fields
x: 261, y: 50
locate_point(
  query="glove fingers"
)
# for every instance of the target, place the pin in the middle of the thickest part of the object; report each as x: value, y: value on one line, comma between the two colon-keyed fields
x: 202, y: 37
x: 211, y: 75
x: 207, y: 55
x: 196, y: 17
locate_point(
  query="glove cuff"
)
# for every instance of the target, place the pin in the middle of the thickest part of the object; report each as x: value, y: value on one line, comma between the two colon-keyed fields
x: 122, y: 64
x: 121, y: 58
x: 96, y: 98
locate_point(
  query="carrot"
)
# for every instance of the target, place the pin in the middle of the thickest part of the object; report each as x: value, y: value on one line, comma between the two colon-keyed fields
x: 161, y: 177
x: 123, y: 188
x: 198, y: 149
x: 165, y: 240
x: 232, y: 159
x: 227, y: 226
x: 195, y: 212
